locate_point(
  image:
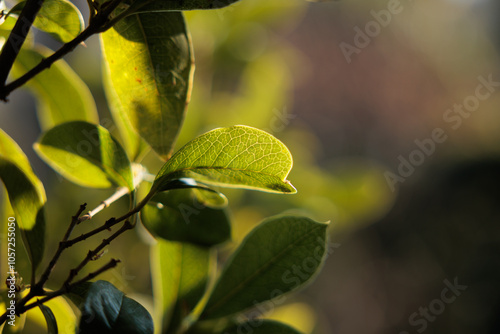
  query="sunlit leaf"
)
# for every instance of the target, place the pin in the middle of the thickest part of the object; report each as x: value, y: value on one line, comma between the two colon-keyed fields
x: 237, y: 156
x: 133, y: 144
x: 278, y: 256
x: 86, y: 154
x: 178, y: 215
x: 261, y: 326
x: 63, y: 313
x: 60, y: 18
x: 26, y: 195
x: 149, y: 60
x: 107, y: 310
x: 50, y: 319
x: 61, y: 95
x: 179, y: 272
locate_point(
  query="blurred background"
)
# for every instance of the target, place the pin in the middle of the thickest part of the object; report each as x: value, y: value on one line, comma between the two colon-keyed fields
x: 357, y: 90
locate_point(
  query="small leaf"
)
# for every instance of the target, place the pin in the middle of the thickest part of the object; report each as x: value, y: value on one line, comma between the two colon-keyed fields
x: 180, y: 274
x: 178, y: 215
x: 62, y: 95
x: 206, y: 195
x: 278, y: 256
x: 26, y: 195
x: 149, y: 6
x: 59, y: 18
x: 261, y: 326
x: 107, y: 310
x: 238, y: 156
x: 62, y: 311
x: 86, y: 154
x: 149, y: 62
x: 50, y: 319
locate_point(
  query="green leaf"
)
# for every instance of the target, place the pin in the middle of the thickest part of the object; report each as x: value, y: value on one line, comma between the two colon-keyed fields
x: 261, y: 326
x: 62, y: 311
x: 59, y: 18
x: 180, y: 274
x: 61, y: 95
x: 278, y: 256
x: 86, y: 154
x: 238, y: 156
x: 26, y: 195
x: 149, y: 63
x: 178, y: 215
x: 50, y: 319
x: 107, y: 310
x: 133, y: 144
x: 148, y: 6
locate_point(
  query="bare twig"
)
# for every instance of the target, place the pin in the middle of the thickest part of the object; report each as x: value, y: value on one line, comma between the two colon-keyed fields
x: 17, y: 37
x: 98, y: 24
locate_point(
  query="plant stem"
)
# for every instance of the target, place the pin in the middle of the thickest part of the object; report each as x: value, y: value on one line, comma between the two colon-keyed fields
x: 139, y: 175
x: 65, y: 289
x: 17, y: 37
x: 97, y: 25
x: 104, y: 204
x: 93, y: 253
x: 45, y: 276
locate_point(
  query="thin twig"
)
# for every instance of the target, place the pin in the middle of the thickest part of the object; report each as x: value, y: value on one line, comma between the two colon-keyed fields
x: 97, y: 25
x: 17, y: 37
x: 45, y: 276
x: 65, y: 289
x: 139, y: 173
x: 104, y: 204
x: 91, y: 254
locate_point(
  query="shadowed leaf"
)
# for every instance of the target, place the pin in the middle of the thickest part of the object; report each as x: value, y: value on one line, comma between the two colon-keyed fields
x: 278, y: 256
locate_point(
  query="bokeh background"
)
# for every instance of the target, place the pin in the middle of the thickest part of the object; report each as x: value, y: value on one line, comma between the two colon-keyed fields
x: 278, y: 65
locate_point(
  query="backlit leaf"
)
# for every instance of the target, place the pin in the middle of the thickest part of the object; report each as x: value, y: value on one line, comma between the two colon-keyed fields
x: 149, y: 63
x: 26, y: 195
x: 59, y: 18
x: 180, y: 273
x: 86, y: 154
x: 237, y: 156
x: 61, y: 95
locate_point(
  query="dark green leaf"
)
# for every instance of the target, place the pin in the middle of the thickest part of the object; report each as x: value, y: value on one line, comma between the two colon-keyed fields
x: 61, y: 95
x: 26, y: 195
x: 149, y: 63
x: 50, y: 319
x: 180, y: 273
x: 86, y: 154
x: 206, y: 195
x: 238, y: 156
x: 147, y: 6
x: 107, y: 310
x: 280, y: 255
x: 178, y: 215
x: 261, y: 326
